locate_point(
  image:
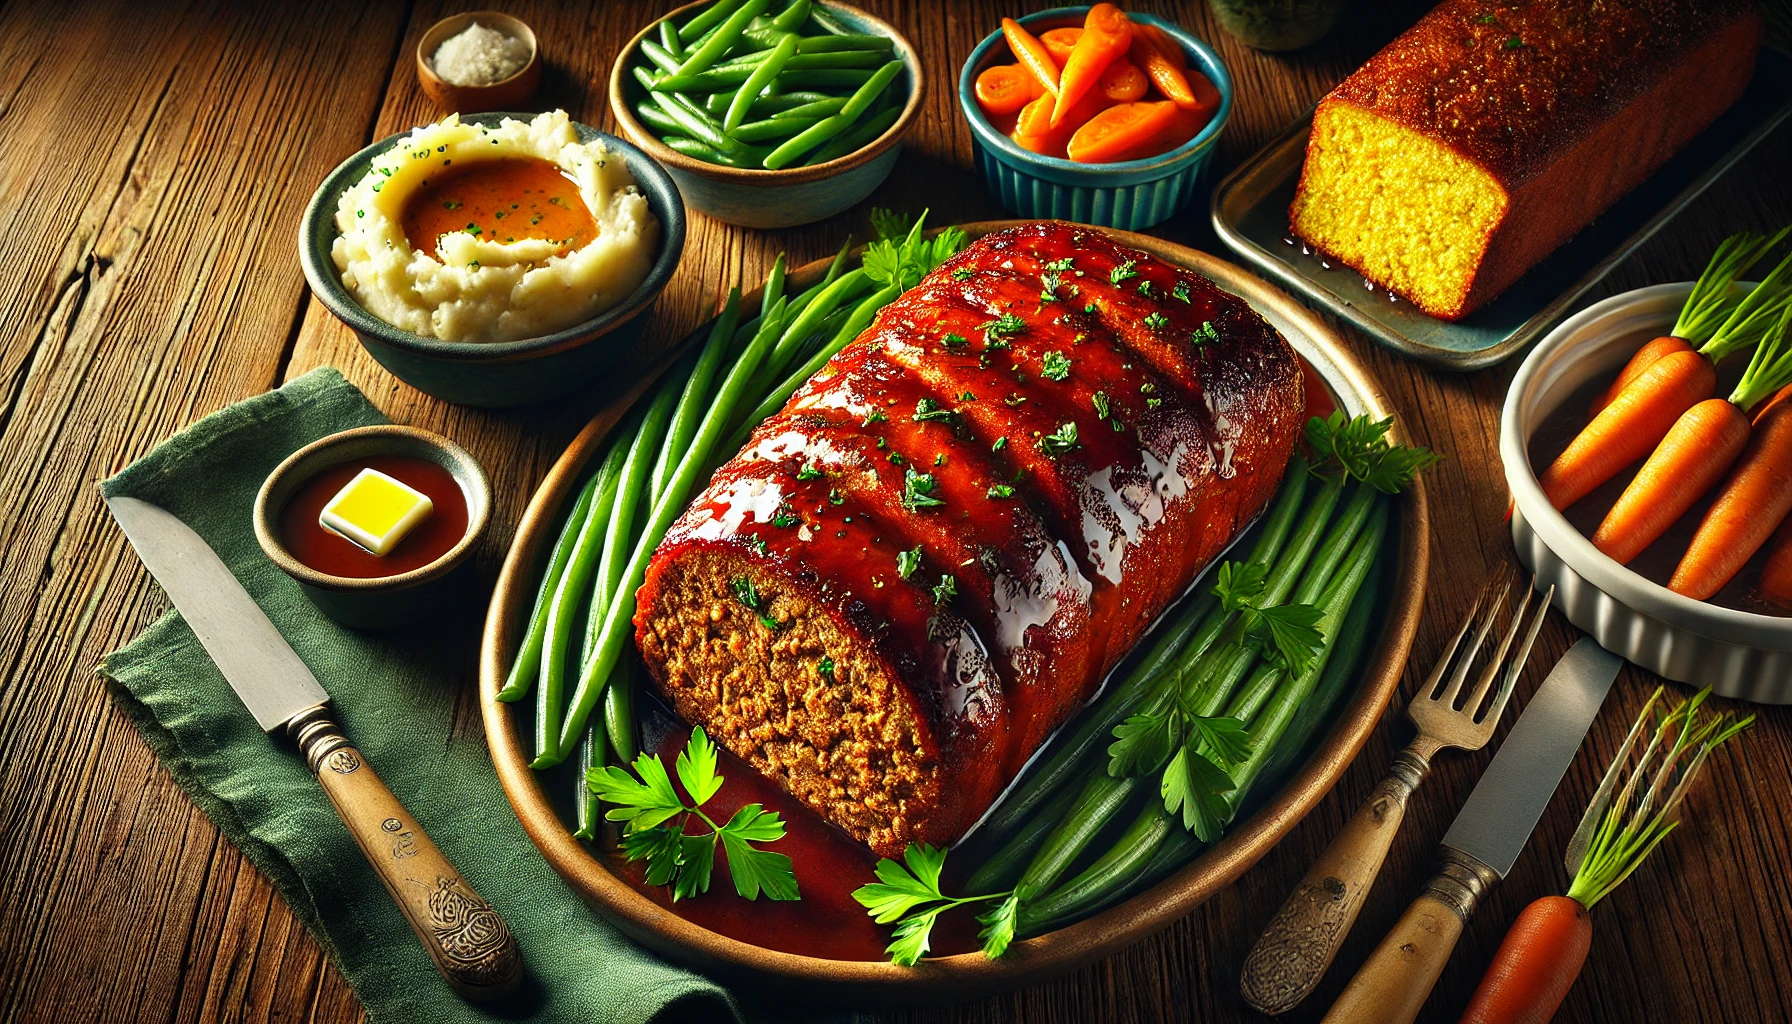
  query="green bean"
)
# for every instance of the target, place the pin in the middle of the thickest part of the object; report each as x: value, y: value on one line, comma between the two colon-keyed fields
x: 825, y: 78
x: 707, y: 153
x: 583, y: 560
x: 817, y: 134
x: 810, y: 61
x: 811, y: 111
x: 716, y: 104
x: 855, y: 324
x: 619, y: 711
x: 771, y: 129
x: 696, y: 395
x: 856, y: 139
x: 698, y: 126
x: 791, y: 18
x: 712, y: 80
x: 772, y: 106
x: 669, y: 39
x: 608, y: 649
x: 1113, y: 869
x: 828, y: 24
x: 647, y: 78
x: 1003, y: 866
x: 1069, y: 754
x: 528, y: 657
x: 651, y: 117
x: 824, y: 303
x: 591, y: 755
x: 707, y: 19
x: 661, y: 57
x: 1352, y: 637
x: 760, y: 78
x: 1100, y: 799
x: 774, y: 287
x: 725, y: 36
x: 848, y: 41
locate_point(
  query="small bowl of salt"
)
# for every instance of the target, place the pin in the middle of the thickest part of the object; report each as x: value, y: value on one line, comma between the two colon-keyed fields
x: 477, y: 61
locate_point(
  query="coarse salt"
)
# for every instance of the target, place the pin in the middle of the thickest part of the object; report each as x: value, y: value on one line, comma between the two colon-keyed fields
x: 479, y: 56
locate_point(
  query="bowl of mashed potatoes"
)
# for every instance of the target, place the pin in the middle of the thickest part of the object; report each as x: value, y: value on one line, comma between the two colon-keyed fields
x: 494, y: 259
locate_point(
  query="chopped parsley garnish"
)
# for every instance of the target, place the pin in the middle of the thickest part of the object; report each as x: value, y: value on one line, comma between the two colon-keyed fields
x: 1001, y: 491
x: 875, y: 416
x: 998, y: 444
x: 835, y: 497
x: 1152, y: 403
x: 1054, y: 366
x: 1156, y: 321
x: 927, y: 409
x: 1013, y: 401
x: 808, y: 472
x: 1006, y: 324
x: 1513, y: 43
x: 954, y: 340
x: 1488, y: 19
x: 656, y: 823
x: 945, y: 590
x: 785, y: 520
x: 940, y: 459
x: 1123, y: 271
x: 896, y: 459
x: 1145, y: 287
x: 966, y: 396
x: 917, y: 491
x: 1205, y: 333
x: 1048, y: 291
x: 962, y: 273
x: 1180, y: 291
x: 1100, y: 400
x: 1060, y: 440
x: 825, y: 668
x: 758, y: 544
x: 744, y: 592
x: 1091, y: 308
x: 1060, y: 266
x: 907, y: 562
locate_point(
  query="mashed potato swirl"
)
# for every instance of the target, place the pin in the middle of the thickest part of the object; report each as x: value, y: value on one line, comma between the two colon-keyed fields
x: 481, y: 290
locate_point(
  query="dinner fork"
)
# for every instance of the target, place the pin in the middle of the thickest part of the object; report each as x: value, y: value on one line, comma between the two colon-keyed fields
x: 1305, y: 934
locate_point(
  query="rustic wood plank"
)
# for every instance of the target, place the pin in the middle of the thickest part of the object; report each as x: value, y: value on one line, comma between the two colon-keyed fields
x: 147, y: 171
x: 118, y: 900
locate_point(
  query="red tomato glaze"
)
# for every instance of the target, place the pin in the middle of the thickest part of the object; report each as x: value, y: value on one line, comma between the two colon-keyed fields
x: 326, y: 552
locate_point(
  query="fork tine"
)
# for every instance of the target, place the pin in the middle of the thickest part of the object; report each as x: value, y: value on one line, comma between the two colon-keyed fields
x: 1497, y: 659
x: 1468, y: 619
x: 1495, y: 709
x: 1454, y: 688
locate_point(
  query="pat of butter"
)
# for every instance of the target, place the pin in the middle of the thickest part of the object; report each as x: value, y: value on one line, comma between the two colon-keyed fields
x: 375, y: 511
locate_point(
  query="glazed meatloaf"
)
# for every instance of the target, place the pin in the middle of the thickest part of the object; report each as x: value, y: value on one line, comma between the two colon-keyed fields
x: 1488, y: 134
x: 934, y: 553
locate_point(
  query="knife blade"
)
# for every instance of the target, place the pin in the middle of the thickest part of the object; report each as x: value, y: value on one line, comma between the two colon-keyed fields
x: 468, y: 941
x: 266, y: 673
x: 1496, y: 822
x: 1484, y: 841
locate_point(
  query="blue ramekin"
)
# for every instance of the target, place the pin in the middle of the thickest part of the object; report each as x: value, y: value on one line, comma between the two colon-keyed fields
x: 1130, y: 195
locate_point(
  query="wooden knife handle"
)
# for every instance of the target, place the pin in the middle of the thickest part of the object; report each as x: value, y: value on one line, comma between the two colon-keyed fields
x: 1393, y: 984
x: 1305, y: 934
x: 470, y: 944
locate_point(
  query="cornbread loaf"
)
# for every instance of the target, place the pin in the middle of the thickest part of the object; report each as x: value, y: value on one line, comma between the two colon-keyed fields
x: 1476, y: 143
x: 933, y: 554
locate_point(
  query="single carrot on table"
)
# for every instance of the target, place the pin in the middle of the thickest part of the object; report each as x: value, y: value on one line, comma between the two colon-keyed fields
x: 1060, y: 41
x: 1005, y: 88
x: 1712, y: 302
x: 1107, y: 34
x: 1758, y: 495
x: 1546, y: 946
x: 1122, y: 82
x: 1032, y: 55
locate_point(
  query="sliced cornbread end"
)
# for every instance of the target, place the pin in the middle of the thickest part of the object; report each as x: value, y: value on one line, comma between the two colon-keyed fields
x: 1408, y: 212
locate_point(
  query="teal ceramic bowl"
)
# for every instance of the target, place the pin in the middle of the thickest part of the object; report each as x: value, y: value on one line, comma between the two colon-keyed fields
x: 1131, y: 195
x: 792, y: 195
x: 507, y: 373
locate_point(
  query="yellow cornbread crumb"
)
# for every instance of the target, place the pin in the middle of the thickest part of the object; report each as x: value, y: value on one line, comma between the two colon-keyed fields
x: 1409, y: 213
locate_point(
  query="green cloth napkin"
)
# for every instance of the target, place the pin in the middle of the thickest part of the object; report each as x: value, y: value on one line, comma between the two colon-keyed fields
x: 390, y: 699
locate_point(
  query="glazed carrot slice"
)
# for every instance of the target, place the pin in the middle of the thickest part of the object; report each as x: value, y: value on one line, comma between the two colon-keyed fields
x: 1167, y: 76
x: 1106, y: 36
x: 1122, y: 82
x: 1121, y: 131
x: 1006, y: 88
x: 1165, y: 44
x: 1032, y: 54
x: 1034, y: 130
x: 1060, y: 41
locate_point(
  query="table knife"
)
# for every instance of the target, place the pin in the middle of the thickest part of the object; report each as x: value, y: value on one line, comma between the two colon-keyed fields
x: 1484, y: 841
x: 469, y: 942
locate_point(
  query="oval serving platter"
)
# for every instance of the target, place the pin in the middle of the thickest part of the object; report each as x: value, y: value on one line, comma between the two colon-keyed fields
x: 1027, y: 961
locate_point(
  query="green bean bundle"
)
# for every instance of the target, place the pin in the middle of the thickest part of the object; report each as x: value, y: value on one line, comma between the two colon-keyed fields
x: 740, y: 87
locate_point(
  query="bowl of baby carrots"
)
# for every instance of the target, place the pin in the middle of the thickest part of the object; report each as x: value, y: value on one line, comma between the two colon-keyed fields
x: 1647, y: 442
x: 1094, y: 114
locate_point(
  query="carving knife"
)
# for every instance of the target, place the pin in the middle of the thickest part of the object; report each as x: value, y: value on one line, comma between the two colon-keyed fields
x: 1484, y: 841
x: 469, y: 942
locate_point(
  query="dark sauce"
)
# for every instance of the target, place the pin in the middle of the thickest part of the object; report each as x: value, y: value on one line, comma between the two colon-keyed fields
x: 1658, y: 560
x: 502, y: 201
x: 829, y: 864
x: 326, y: 552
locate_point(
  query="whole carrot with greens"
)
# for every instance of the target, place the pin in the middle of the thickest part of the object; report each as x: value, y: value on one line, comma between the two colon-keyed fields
x: 1775, y: 589
x: 1640, y: 415
x: 1543, y: 951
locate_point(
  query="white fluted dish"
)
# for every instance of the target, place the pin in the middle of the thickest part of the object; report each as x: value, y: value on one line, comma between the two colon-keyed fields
x: 1738, y: 654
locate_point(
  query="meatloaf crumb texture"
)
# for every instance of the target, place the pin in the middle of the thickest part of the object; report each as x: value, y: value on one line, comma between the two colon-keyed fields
x: 931, y: 556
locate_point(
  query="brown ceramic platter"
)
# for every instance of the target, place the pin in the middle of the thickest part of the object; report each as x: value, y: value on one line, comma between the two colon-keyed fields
x: 1031, y: 960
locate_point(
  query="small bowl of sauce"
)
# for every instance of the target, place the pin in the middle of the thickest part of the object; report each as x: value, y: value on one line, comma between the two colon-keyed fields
x: 478, y: 61
x: 376, y: 524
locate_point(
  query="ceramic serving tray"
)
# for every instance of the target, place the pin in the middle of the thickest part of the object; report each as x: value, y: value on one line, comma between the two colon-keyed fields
x: 542, y: 800
x: 1250, y: 212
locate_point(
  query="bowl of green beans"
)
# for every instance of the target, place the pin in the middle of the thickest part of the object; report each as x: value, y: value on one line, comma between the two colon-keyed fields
x: 769, y: 113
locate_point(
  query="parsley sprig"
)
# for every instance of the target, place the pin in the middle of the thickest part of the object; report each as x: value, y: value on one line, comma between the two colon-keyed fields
x: 900, y: 256
x: 657, y: 822
x: 907, y: 893
x: 1359, y: 447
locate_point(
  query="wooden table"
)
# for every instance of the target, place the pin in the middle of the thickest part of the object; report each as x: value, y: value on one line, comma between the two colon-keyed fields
x: 154, y: 159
